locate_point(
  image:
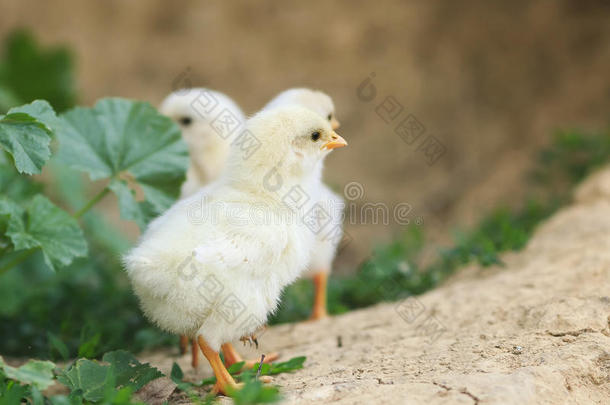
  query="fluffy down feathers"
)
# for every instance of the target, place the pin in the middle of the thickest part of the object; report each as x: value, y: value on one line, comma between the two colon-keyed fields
x: 325, y: 247
x: 220, y: 273
x: 195, y: 110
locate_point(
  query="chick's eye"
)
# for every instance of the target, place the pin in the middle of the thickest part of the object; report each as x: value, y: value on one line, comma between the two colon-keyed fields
x: 330, y: 117
x: 185, y: 121
x: 315, y: 136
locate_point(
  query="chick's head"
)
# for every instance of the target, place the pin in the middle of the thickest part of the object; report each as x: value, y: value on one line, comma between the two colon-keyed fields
x: 194, y: 109
x: 314, y: 100
x: 292, y: 139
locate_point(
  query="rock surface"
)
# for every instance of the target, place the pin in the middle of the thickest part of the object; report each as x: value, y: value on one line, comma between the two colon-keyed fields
x: 534, y: 332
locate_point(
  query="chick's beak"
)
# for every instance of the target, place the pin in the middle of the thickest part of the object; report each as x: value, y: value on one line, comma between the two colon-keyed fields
x: 334, y: 123
x: 336, y: 141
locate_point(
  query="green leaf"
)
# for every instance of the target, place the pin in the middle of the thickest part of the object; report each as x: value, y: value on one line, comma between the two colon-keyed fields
x: 42, y: 111
x: 176, y: 374
x: 130, y: 141
x: 87, y: 376
x: 35, y: 372
x: 295, y: 363
x: 142, y: 212
x: 8, y: 210
x: 43, y: 225
x: 13, y: 185
x: 122, y: 372
x: 254, y: 392
x: 129, y: 371
x: 208, y: 381
x: 28, y: 72
x: 26, y: 138
x: 236, y: 367
x: 12, y: 393
x: 37, y: 397
x: 265, y: 368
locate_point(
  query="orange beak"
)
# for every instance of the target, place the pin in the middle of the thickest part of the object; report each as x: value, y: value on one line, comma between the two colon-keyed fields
x: 335, y: 142
x: 334, y: 123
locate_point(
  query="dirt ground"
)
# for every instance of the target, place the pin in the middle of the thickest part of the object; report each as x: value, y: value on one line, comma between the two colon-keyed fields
x: 534, y: 332
x: 489, y: 80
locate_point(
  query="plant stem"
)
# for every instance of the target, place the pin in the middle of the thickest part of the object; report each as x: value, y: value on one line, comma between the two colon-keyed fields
x: 91, y: 203
x: 16, y: 260
x: 27, y: 253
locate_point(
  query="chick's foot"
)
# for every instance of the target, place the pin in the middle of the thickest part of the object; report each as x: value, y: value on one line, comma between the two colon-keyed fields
x: 224, y: 381
x: 232, y: 357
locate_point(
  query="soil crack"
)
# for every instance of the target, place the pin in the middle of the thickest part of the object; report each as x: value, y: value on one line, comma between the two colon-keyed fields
x: 571, y: 333
x: 463, y: 391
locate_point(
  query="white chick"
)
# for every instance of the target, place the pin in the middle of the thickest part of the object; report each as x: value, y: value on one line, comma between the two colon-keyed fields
x: 237, y: 266
x: 182, y: 106
x: 325, y: 247
x: 195, y: 111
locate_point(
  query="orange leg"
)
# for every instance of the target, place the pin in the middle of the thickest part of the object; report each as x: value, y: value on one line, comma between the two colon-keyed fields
x: 232, y: 357
x: 320, y: 281
x: 184, y: 344
x: 194, y: 354
x: 223, y: 378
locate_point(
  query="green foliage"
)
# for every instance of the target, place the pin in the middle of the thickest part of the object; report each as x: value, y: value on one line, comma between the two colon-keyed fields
x: 34, y: 372
x: 28, y: 72
x: 25, y: 133
x: 34, y: 302
x: 126, y: 141
x: 44, y: 225
x: 252, y: 391
x: 295, y: 363
x: 570, y: 158
x: 115, y: 138
x: 35, y: 306
x: 12, y: 392
x: 113, y: 381
x: 94, y: 379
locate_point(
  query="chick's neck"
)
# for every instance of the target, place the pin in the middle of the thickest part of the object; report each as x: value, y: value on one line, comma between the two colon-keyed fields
x: 274, y: 182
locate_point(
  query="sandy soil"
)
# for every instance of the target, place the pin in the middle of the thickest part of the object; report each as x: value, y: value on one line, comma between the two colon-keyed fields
x: 534, y: 332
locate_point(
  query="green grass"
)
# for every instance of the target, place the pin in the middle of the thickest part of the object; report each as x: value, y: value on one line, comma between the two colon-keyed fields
x: 115, y: 379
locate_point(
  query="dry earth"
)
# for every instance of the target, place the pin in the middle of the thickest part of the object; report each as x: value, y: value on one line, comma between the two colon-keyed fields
x: 534, y: 332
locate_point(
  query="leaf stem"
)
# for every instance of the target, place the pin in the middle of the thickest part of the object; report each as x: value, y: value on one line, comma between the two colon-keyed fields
x: 91, y: 203
x: 17, y: 260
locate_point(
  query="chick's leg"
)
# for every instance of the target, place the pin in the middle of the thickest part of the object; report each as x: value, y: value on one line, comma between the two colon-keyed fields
x: 194, y: 354
x: 223, y: 378
x: 320, y: 281
x: 232, y: 357
x: 184, y: 344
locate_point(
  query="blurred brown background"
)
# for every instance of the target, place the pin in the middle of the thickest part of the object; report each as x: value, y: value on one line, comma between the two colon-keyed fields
x: 490, y: 80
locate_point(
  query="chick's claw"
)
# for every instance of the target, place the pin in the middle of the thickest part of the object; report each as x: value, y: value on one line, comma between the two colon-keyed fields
x: 250, y: 339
